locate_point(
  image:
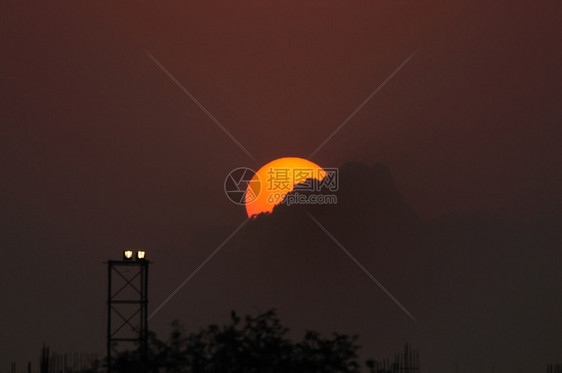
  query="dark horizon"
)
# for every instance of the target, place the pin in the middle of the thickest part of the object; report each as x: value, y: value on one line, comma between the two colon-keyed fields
x: 121, y: 121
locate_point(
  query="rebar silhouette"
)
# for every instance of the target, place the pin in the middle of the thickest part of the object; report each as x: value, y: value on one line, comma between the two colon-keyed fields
x: 405, y: 362
x: 52, y: 362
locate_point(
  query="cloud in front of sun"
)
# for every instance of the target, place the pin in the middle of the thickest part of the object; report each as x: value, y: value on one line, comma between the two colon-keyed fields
x: 275, y: 179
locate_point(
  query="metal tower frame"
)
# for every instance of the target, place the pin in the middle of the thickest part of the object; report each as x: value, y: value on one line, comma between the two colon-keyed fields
x: 119, y: 305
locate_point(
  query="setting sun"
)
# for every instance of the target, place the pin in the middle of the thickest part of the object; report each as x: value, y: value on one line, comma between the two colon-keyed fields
x: 277, y: 178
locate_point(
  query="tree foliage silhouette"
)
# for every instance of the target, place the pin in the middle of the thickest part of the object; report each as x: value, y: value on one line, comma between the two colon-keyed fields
x: 254, y: 344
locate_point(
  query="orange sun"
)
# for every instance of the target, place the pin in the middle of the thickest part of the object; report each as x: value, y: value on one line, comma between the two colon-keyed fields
x: 277, y: 178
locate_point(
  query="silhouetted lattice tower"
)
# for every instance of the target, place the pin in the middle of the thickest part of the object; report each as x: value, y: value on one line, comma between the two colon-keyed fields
x: 127, y: 304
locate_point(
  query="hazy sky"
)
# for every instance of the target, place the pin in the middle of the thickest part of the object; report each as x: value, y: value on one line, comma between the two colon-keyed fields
x: 100, y: 150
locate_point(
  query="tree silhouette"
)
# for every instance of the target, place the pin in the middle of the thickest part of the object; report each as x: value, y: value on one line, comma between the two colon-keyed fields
x: 254, y: 344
